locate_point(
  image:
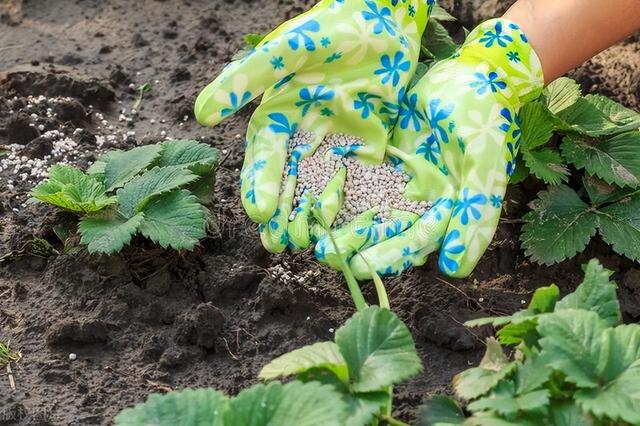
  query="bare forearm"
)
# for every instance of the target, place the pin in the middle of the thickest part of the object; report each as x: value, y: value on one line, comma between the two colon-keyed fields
x: 565, y: 33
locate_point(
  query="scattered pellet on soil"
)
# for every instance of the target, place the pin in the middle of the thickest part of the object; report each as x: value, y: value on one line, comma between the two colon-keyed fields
x: 367, y: 186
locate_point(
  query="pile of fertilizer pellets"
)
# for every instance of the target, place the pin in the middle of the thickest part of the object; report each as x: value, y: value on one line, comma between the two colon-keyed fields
x: 367, y: 186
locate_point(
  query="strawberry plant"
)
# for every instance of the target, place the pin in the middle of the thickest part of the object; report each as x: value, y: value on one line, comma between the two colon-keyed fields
x: 344, y: 382
x: 574, y: 364
x: 599, y: 146
x: 159, y: 191
x: 7, y: 355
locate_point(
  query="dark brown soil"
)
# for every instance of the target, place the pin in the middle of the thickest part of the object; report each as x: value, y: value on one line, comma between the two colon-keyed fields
x: 151, y: 320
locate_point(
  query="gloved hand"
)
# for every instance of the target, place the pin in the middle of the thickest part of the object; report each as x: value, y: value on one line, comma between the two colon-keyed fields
x: 329, y: 70
x: 459, y: 143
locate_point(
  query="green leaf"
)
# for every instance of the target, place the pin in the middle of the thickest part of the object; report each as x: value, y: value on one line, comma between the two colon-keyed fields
x: 498, y: 321
x: 514, y: 333
x: 175, y: 220
x: 378, y: 349
x: 97, y: 169
x: 560, y: 94
x: 544, y: 299
x: 596, y: 293
x: 616, y: 394
x: 196, y: 156
x: 601, y: 192
x: 615, y: 160
x: 253, y: 39
x: 122, y: 166
x: 108, y: 234
x: 439, y: 13
x: 590, y: 116
x: 441, y: 411
x: 70, y: 189
x: 477, y: 381
x: 532, y: 374
x: 363, y: 407
x: 521, y: 172
x: 136, y: 194
x: 568, y: 414
x: 537, y: 125
x: 571, y: 342
x: 204, y: 189
x: 319, y: 355
x: 620, y: 226
x: 546, y: 164
x: 504, y: 400
x: 437, y: 40
x: 625, y: 118
x: 187, y: 407
x: 559, y: 226
x: 296, y: 403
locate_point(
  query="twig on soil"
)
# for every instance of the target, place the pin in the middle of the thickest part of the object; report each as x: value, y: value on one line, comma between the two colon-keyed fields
x: 14, y: 46
x: 459, y: 291
x: 229, y: 350
x: 12, y: 381
x: 153, y: 384
x: 224, y: 159
x: 517, y: 221
x: 255, y: 340
x: 159, y: 386
x: 475, y: 336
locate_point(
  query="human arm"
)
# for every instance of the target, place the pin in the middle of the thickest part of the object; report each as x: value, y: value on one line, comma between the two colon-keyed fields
x: 566, y: 33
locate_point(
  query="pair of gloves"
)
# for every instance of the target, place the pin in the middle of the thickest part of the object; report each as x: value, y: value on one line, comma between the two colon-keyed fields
x: 344, y: 67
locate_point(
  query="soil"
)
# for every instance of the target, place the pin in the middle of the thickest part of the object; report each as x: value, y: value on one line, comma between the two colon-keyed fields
x: 150, y: 320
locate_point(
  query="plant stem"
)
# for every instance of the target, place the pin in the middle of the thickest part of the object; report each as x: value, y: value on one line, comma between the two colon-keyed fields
x: 383, y: 299
x: 393, y: 422
x: 352, y: 283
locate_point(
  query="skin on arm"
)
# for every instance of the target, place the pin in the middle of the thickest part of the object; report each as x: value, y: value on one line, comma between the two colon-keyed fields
x: 565, y: 33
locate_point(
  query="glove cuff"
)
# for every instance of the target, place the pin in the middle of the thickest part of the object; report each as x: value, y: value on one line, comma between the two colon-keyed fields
x: 502, y: 44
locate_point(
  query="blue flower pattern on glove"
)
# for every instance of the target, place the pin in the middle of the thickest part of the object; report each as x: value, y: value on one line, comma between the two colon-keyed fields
x: 299, y: 36
x: 410, y: 114
x: 430, y: 149
x: 251, y: 176
x: 435, y: 115
x: 450, y: 246
x: 237, y: 102
x: 382, y: 18
x: 309, y: 99
x: 496, y: 36
x: 281, y: 124
x: 467, y: 206
x: 391, y: 70
x: 489, y: 82
x: 363, y: 103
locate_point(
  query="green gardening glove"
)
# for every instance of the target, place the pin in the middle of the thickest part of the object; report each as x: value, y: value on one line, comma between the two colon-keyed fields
x: 458, y: 135
x: 326, y: 71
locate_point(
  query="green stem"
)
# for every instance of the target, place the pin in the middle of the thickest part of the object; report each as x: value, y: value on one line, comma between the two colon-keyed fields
x: 383, y: 299
x: 393, y: 422
x: 352, y: 283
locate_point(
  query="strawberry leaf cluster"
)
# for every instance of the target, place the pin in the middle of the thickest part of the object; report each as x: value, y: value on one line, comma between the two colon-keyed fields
x: 160, y: 191
x: 599, y: 140
x: 574, y: 364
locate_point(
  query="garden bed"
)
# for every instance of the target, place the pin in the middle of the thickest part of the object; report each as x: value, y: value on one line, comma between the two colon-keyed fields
x: 149, y: 320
